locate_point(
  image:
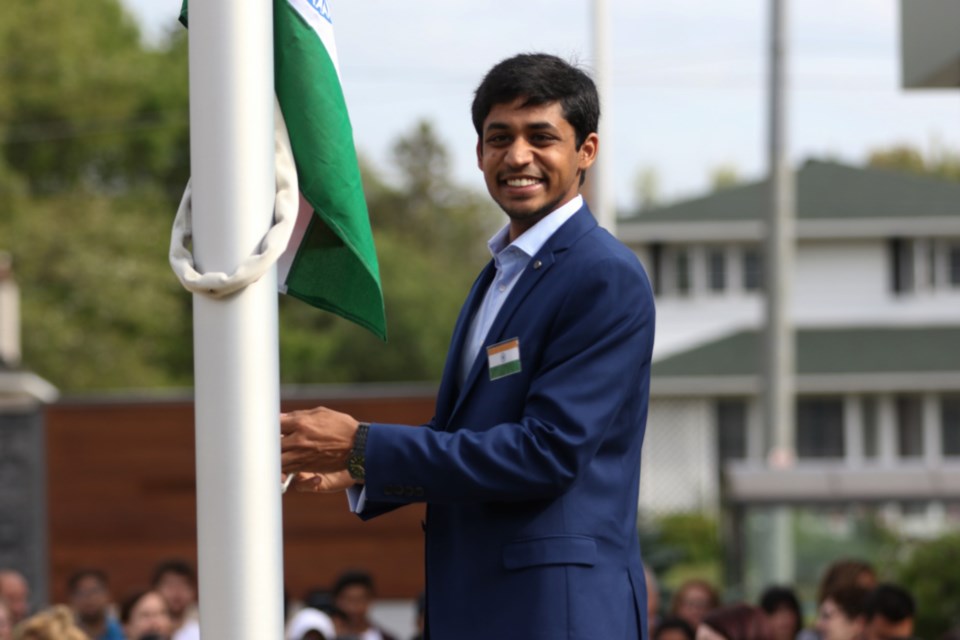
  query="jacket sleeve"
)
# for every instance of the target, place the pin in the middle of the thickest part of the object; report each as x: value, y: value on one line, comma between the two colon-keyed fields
x: 596, y: 356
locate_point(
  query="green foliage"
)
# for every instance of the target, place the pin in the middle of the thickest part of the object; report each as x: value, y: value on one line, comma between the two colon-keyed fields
x: 941, y: 163
x: 930, y: 574
x: 682, y: 546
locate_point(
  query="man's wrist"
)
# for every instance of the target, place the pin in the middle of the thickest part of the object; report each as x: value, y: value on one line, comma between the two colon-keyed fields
x: 357, y: 462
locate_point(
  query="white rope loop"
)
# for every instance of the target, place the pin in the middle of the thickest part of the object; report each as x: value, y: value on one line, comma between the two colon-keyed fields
x: 218, y: 284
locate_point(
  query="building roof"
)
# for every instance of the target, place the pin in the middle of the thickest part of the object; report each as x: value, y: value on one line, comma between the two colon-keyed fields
x: 825, y: 191
x: 827, y: 352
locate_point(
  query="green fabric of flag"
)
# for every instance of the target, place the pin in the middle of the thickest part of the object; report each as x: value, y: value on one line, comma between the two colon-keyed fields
x: 332, y: 263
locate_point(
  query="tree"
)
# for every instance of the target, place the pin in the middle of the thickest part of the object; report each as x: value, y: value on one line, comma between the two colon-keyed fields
x: 724, y: 176
x: 941, y: 162
x: 930, y: 574
x: 646, y: 186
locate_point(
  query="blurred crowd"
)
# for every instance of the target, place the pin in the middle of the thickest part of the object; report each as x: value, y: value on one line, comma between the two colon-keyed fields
x: 167, y: 609
x: 851, y: 604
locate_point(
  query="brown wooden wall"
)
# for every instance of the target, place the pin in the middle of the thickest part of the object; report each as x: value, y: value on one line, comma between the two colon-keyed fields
x: 121, y: 497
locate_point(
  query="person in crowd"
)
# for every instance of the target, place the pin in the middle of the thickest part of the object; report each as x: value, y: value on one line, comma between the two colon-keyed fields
x: 673, y: 628
x: 847, y: 572
x: 16, y: 591
x: 693, y: 600
x: 889, y: 613
x: 353, y: 593
x: 6, y: 621
x: 841, y: 613
x: 176, y: 582
x: 311, y: 624
x: 735, y: 622
x: 530, y: 465
x: 145, y: 616
x: 90, y: 601
x: 311, y: 621
x: 783, y: 612
x: 55, y: 623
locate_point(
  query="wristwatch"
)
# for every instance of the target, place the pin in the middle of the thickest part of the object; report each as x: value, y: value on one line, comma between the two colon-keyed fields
x: 356, y: 463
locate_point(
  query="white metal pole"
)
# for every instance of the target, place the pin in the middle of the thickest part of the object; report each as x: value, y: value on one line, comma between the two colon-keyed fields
x: 779, y: 256
x: 235, y: 339
x: 779, y: 355
x: 603, y: 200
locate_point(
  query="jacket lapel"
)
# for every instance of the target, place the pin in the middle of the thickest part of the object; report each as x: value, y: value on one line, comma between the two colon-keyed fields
x: 448, y: 392
x: 536, y: 269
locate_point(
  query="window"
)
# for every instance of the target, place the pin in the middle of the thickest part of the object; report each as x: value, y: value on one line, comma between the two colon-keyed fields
x: 682, y: 265
x: 950, y: 424
x: 717, y: 269
x: 871, y: 430
x: 752, y: 270
x: 954, y: 256
x: 732, y: 429
x: 656, y: 259
x: 901, y: 265
x: 820, y: 428
x: 909, y: 426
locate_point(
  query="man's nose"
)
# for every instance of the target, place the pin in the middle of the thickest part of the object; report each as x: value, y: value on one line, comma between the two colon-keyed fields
x: 519, y: 154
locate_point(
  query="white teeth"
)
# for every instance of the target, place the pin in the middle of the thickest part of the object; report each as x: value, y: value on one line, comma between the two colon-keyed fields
x: 521, y: 182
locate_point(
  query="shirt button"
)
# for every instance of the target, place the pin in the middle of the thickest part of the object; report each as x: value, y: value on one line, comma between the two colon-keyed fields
x: 502, y: 288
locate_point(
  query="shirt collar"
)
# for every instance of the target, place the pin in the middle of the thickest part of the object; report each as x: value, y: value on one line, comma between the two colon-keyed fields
x: 533, y: 239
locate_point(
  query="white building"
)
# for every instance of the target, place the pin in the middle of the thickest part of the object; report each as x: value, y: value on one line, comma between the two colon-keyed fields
x: 876, y: 307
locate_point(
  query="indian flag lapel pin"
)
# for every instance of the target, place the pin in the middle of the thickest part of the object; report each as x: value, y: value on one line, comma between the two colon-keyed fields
x: 503, y: 358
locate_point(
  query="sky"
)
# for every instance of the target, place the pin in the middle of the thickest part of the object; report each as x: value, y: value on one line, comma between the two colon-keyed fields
x: 687, y: 88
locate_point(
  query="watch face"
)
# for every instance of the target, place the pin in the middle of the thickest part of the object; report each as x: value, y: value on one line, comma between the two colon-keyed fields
x: 355, y: 468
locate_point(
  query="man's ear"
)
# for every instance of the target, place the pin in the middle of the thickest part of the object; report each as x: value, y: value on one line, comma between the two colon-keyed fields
x: 480, y: 153
x: 587, y: 153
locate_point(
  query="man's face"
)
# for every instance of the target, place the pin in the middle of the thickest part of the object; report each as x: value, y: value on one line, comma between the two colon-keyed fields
x: 14, y: 589
x: 178, y: 591
x: 353, y: 601
x: 833, y: 623
x: 530, y: 160
x: 149, y: 616
x: 90, y: 599
x: 879, y: 628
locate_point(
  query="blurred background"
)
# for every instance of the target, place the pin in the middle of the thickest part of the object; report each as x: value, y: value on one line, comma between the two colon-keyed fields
x: 96, y: 441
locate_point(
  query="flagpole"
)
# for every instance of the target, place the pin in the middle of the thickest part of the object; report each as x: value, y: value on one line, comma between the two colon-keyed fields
x: 239, y: 528
x: 603, y: 203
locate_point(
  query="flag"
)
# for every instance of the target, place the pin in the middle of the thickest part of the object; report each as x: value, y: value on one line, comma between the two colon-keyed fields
x: 331, y: 261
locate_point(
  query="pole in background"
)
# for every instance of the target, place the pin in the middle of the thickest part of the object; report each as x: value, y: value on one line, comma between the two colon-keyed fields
x: 779, y: 357
x: 603, y: 203
x: 235, y: 338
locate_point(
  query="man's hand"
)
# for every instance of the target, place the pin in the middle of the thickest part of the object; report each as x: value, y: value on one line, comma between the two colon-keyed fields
x: 316, y: 440
x: 322, y: 482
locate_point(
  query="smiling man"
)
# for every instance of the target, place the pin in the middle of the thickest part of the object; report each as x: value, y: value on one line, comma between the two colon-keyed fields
x: 530, y: 466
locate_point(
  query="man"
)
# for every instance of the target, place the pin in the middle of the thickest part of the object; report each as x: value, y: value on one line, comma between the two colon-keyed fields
x: 530, y: 466
x: 16, y: 592
x: 889, y: 612
x: 90, y: 601
x: 352, y: 595
x: 841, y: 613
x: 176, y: 582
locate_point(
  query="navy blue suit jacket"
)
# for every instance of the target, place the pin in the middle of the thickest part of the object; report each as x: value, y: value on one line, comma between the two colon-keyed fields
x: 532, y: 479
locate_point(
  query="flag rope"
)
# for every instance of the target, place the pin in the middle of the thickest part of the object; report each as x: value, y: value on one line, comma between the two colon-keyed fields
x: 218, y: 284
